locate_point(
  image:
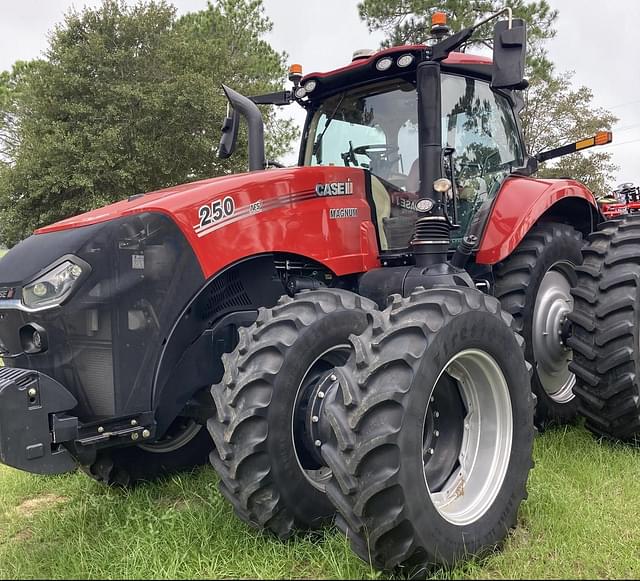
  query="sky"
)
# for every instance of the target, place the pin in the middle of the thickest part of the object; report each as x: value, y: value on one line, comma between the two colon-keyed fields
x: 595, y: 39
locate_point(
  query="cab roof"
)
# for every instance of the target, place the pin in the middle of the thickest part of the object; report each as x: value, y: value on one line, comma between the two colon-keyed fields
x: 364, y: 69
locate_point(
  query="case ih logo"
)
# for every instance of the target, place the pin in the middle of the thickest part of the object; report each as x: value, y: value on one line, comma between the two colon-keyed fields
x: 335, y: 189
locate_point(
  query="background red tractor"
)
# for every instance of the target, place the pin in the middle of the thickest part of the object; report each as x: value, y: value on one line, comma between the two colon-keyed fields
x: 625, y: 199
x: 365, y: 318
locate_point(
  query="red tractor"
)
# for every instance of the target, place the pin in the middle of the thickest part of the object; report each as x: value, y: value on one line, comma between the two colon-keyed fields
x: 625, y: 199
x: 346, y: 337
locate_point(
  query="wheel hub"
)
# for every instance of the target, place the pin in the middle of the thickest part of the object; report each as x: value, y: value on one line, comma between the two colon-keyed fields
x: 310, y: 428
x: 443, y: 433
x: 179, y: 434
x: 550, y: 330
x: 317, y: 423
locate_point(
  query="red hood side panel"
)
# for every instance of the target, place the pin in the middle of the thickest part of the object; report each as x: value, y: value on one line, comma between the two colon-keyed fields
x: 227, y: 219
x: 518, y: 206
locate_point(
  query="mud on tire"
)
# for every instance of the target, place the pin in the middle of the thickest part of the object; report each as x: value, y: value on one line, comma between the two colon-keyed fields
x: 385, y: 424
x: 273, y: 479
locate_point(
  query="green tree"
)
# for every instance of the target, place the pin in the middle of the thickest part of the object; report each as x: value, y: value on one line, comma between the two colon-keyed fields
x: 128, y: 100
x: 409, y: 21
x: 557, y: 113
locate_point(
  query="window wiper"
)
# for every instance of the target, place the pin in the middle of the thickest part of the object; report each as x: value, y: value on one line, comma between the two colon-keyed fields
x: 316, y: 145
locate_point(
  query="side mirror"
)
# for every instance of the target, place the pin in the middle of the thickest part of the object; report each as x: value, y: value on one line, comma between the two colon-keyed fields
x: 509, y: 54
x: 229, y: 137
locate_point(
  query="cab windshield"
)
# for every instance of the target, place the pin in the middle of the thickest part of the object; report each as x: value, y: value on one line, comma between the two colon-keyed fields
x: 376, y: 128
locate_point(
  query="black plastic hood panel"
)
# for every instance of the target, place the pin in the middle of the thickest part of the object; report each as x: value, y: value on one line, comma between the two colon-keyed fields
x: 105, y: 340
x: 31, y: 256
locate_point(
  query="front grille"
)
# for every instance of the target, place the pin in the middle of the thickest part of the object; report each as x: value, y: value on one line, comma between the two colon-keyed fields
x: 94, y: 366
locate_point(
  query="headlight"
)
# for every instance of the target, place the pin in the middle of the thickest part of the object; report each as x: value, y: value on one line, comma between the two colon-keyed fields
x: 310, y: 86
x: 405, y: 60
x: 52, y: 288
x: 384, y: 64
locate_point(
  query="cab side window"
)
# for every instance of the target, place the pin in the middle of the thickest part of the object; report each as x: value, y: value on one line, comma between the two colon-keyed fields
x: 480, y: 127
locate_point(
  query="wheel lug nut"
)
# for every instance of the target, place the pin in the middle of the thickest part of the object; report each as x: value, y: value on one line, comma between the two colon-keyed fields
x: 436, y: 433
x: 334, y: 377
x: 315, y: 419
x: 430, y: 451
x: 321, y: 394
x: 436, y: 414
x: 318, y: 443
x: 32, y: 392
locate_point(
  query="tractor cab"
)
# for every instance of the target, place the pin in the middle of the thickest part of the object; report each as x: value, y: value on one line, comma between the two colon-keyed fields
x: 365, y: 115
x: 434, y: 130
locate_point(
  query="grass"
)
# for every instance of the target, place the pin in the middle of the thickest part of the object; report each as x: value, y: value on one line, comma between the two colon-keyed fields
x: 582, y: 520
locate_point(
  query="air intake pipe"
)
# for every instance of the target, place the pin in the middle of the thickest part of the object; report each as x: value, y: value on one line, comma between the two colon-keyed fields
x: 432, y: 232
x: 244, y: 106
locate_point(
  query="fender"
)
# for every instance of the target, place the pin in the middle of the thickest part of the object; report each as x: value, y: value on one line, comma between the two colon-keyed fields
x: 191, y: 356
x: 520, y: 203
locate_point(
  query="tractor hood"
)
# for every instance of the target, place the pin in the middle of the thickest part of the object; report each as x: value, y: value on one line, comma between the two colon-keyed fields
x: 264, y: 184
x: 227, y: 218
x: 163, y: 200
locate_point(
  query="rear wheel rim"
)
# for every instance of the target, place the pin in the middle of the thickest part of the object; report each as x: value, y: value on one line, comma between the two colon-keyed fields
x: 474, y: 440
x: 308, y: 459
x: 553, y: 304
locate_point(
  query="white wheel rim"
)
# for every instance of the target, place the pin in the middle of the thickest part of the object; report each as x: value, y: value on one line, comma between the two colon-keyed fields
x: 553, y: 303
x: 485, y: 452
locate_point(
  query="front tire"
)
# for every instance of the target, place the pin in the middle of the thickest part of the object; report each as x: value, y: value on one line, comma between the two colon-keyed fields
x: 185, y: 446
x: 534, y: 285
x: 265, y: 454
x: 431, y: 431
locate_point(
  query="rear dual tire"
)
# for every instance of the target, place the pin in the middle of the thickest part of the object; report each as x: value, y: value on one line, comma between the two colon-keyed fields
x: 269, y: 468
x: 605, y: 336
x: 534, y: 285
x: 450, y: 348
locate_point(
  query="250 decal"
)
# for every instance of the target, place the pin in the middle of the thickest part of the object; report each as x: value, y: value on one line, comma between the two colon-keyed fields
x: 216, y: 211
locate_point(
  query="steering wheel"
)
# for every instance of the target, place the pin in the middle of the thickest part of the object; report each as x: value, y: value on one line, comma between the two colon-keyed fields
x: 382, y: 156
x: 376, y: 150
x: 349, y: 156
